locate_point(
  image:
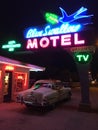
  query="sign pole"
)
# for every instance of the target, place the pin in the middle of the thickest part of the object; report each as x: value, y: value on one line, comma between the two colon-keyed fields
x: 83, y: 67
x: 85, y: 104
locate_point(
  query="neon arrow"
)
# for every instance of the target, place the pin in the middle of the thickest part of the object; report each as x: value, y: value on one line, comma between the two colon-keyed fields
x: 11, y: 45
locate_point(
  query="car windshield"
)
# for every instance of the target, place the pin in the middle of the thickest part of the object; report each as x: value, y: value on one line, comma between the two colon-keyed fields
x: 47, y: 85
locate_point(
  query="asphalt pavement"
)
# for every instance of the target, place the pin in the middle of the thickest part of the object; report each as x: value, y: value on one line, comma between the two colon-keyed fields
x: 66, y: 115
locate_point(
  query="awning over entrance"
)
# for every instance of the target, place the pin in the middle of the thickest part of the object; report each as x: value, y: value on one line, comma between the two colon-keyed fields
x: 21, y: 64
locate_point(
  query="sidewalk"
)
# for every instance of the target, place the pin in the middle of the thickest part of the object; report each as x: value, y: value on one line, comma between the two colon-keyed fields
x: 76, y: 99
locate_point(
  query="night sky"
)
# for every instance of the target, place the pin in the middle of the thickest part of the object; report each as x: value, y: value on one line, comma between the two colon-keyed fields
x: 16, y: 15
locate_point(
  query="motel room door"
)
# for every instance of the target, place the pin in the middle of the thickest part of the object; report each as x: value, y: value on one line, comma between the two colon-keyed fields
x: 7, y: 86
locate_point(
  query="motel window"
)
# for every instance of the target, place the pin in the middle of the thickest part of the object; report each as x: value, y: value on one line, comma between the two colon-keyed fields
x: 20, y: 81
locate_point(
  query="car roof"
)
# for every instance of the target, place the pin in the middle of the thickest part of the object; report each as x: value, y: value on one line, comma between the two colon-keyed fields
x: 47, y: 81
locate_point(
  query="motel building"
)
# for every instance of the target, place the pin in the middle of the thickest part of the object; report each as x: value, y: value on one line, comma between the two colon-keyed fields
x: 71, y: 33
x: 14, y: 77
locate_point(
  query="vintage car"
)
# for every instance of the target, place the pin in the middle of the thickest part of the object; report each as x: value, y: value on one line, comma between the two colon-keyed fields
x: 44, y: 93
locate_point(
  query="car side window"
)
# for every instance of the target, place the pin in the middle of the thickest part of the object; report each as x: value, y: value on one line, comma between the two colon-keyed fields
x: 49, y: 85
x: 54, y: 87
x: 57, y: 86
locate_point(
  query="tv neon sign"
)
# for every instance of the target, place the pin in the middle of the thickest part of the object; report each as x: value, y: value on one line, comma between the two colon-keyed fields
x: 61, y: 25
x: 83, y: 57
x: 54, y: 41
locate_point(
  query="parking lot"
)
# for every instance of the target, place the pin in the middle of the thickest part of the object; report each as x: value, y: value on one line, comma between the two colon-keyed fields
x: 65, y: 116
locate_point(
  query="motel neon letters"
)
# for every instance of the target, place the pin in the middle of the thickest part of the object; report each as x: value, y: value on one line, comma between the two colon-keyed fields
x: 64, y: 40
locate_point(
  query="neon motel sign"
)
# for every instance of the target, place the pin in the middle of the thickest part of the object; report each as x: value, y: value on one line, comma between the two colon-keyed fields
x: 62, y: 40
x: 61, y: 31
